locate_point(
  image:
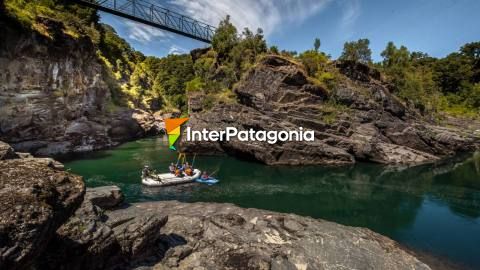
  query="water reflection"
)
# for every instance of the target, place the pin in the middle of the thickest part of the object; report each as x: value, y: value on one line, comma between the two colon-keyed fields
x: 476, y: 161
x: 433, y: 207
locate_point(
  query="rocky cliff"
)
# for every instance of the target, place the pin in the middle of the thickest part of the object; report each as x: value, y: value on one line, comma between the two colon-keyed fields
x: 44, y: 224
x: 358, y: 120
x: 54, y: 96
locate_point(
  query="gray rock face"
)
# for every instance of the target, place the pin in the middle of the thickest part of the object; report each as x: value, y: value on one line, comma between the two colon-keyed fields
x: 105, y: 197
x: 35, y: 199
x: 213, y: 236
x: 242, y: 117
x: 54, y: 96
x: 359, y: 120
x: 91, y: 240
x: 223, y: 236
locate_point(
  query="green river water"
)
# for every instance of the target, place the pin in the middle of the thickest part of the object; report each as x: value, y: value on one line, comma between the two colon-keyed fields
x: 431, y: 208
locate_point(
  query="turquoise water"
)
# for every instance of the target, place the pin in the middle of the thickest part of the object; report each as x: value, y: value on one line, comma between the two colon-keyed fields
x: 433, y: 208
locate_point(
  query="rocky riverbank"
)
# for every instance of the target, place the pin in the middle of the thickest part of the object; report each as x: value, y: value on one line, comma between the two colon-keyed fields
x: 359, y: 120
x: 36, y: 198
x: 45, y: 225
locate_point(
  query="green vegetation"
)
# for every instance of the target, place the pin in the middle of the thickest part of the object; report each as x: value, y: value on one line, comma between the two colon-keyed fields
x: 316, y: 44
x: 318, y: 66
x: 450, y: 84
x: 358, y: 51
x: 78, y: 21
x: 314, y: 62
x: 231, y: 55
x: 446, y: 85
x: 331, y: 110
x: 134, y: 80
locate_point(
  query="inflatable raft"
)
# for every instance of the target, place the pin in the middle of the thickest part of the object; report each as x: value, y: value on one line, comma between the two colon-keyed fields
x: 209, y: 181
x: 169, y: 179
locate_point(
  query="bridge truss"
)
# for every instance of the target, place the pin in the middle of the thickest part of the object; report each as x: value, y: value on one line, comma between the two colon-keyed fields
x: 154, y: 15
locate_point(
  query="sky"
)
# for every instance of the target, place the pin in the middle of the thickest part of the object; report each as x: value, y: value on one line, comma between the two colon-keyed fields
x: 437, y: 27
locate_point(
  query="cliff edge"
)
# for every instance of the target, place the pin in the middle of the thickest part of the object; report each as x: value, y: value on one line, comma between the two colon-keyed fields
x: 359, y: 120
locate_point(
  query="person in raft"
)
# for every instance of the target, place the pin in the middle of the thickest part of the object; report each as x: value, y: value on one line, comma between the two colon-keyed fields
x: 146, y: 171
x: 178, y: 173
x: 181, y: 167
x: 171, y: 168
x: 205, y: 175
x: 188, y: 170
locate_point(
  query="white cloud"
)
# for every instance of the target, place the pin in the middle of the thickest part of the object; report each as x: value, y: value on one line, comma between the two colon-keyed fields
x: 144, y: 33
x: 270, y: 15
x: 174, y: 49
x: 351, y: 12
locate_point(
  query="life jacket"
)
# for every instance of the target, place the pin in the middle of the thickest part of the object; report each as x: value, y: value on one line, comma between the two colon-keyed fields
x: 188, y: 171
x: 177, y: 172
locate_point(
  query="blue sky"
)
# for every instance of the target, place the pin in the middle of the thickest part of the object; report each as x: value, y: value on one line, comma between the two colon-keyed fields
x: 436, y: 27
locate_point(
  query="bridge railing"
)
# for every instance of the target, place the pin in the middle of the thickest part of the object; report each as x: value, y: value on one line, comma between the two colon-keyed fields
x: 154, y: 15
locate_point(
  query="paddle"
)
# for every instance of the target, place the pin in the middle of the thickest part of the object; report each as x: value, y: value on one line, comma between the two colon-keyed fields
x: 193, y: 162
x: 214, y: 172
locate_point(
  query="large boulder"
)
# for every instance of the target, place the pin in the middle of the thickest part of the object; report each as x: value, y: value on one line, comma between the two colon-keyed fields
x: 358, y: 71
x: 211, y: 236
x: 105, y: 197
x: 35, y: 200
x: 92, y: 240
x: 223, y: 236
x: 278, y: 84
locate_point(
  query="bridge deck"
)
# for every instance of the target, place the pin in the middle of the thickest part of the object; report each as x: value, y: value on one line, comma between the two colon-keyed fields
x: 156, y: 16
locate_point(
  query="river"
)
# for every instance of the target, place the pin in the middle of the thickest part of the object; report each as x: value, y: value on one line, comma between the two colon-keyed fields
x: 431, y: 208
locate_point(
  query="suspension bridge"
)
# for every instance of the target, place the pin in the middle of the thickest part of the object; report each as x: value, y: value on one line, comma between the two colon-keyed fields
x: 157, y: 16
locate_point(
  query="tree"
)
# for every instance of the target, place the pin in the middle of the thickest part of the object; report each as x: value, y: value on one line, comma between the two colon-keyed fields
x: 274, y: 50
x: 289, y: 53
x: 388, y: 55
x: 225, y: 38
x: 313, y: 61
x: 472, y: 52
x: 453, y: 73
x: 173, y: 74
x: 316, y: 44
x: 253, y: 44
x: 413, y: 83
x: 395, y: 58
x: 474, y: 97
x: 358, y: 51
x: 243, y: 55
x: 420, y: 59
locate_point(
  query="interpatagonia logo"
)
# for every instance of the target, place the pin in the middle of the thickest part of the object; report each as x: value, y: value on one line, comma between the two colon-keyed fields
x: 172, y: 126
x: 250, y: 135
